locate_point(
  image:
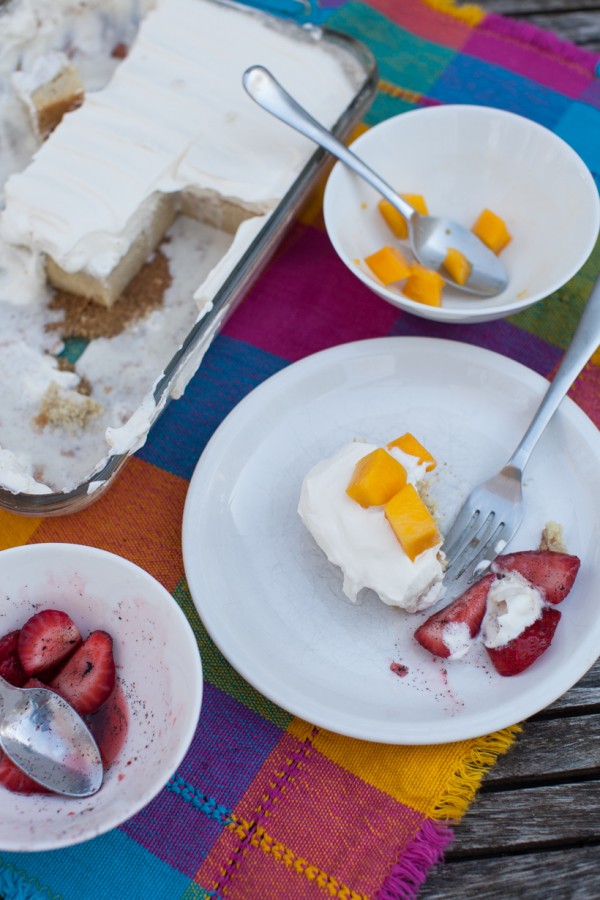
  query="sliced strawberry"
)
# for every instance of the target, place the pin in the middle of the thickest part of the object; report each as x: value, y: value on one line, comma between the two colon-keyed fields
x: 552, y: 573
x: 17, y: 781
x: 10, y: 664
x: 46, y: 639
x: 468, y: 609
x: 518, y: 654
x: 88, y: 677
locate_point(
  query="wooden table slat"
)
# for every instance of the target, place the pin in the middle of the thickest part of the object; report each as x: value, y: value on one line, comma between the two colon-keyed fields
x: 565, y: 748
x: 559, y: 875
x: 547, y: 816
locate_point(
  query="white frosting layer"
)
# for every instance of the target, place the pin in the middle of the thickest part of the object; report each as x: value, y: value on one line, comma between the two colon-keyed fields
x: 174, y: 116
x: 512, y: 605
x: 361, y: 541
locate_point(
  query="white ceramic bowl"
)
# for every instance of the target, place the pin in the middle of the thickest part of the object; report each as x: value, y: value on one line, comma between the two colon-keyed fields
x: 464, y: 159
x: 159, y: 676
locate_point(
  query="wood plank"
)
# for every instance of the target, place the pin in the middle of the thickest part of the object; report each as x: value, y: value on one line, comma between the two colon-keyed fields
x: 525, y: 8
x: 585, y: 695
x: 577, y: 21
x: 562, y: 874
x: 548, y: 749
x: 530, y: 819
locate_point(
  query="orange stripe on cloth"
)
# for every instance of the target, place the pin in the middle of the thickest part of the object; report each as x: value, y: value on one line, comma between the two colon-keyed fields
x: 449, y: 774
x: 139, y: 518
x: 16, y: 530
x: 311, y: 212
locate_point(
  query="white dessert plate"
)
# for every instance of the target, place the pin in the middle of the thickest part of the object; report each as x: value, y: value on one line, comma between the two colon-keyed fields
x: 274, y: 604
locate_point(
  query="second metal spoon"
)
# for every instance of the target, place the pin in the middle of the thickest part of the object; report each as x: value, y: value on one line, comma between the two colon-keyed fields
x: 49, y: 741
x: 430, y: 237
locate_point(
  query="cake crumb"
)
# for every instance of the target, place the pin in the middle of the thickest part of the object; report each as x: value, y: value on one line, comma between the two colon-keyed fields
x: 552, y: 538
x: 85, y: 318
x: 67, y: 409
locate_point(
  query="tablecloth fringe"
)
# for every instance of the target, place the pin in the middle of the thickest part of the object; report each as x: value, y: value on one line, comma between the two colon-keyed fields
x: 16, y: 885
x: 465, y: 782
x: 546, y: 41
x: 411, y: 870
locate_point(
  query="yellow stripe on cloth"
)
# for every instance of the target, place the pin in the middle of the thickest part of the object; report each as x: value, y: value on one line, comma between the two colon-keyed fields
x: 16, y: 530
x: 438, y: 780
x: 467, y: 12
x: 312, y: 210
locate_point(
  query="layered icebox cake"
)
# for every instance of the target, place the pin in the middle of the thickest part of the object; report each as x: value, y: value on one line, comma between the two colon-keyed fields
x: 137, y: 178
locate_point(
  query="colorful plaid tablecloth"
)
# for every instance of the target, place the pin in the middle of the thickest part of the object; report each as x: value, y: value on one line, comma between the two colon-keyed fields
x: 265, y: 806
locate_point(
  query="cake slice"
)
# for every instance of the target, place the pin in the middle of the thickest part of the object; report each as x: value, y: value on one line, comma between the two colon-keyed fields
x: 349, y: 518
x: 51, y: 89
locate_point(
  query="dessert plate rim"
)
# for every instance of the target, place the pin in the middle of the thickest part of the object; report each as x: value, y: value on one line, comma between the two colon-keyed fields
x: 273, y: 604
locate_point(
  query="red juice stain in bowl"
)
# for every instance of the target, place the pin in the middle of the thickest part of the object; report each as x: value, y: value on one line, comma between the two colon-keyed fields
x: 109, y: 725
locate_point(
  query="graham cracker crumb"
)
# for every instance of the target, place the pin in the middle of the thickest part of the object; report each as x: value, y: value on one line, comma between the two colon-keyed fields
x: 552, y: 538
x: 66, y: 409
x: 87, y: 319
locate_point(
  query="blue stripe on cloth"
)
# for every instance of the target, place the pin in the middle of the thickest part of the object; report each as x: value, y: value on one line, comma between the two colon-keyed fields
x: 499, y: 336
x: 467, y: 77
x: 229, y: 371
x: 106, y: 868
x: 580, y: 127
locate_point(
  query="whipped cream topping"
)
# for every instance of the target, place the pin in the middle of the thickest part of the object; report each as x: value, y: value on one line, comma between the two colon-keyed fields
x: 513, y: 604
x: 457, y: 638
x: 174, y: 117
x: 361, y: 541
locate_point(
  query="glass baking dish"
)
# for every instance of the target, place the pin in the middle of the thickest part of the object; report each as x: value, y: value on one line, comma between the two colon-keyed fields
x: 171, y: 383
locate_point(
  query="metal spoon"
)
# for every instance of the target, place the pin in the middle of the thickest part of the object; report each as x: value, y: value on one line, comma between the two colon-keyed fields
x: 48, y: 740
x: 430, y: 237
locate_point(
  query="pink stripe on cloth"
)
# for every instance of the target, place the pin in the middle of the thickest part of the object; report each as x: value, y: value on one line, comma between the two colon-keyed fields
x: 535, y: 54
x: 307, y: 814
x: 307, y: 300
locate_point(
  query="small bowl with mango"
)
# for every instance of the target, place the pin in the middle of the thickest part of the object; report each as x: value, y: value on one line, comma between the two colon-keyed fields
x: 523, y: 190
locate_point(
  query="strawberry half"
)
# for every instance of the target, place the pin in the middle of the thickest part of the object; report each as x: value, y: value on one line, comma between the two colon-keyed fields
x: 17, y: 781
x: 518, y: 654
x: 468, y: 609
x: 10, y: 664
x: 46, y: 639
x: 551, y: 573
x: 88, y: 677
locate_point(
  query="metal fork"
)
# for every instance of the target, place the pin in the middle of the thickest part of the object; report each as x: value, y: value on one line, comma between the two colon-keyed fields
x: 493, y: 511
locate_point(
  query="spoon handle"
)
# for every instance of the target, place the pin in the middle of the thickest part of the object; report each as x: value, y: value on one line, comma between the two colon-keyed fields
x: 268, y: 93
x: 585, y: 340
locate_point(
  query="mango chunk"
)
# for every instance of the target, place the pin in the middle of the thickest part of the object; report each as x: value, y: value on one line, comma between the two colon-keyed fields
x: 409, y: 444
x: 412, y: 522
x: 424, y: 286
x: 389, y: 265
x: 395, y: 219
x: 376, y: 478
x: 457, y: 265
x: 491, y: 229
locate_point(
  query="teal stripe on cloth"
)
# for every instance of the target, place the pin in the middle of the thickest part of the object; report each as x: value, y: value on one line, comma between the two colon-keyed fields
x: 579, y: 126
x: 74, y: 873
x: 403, y: 58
